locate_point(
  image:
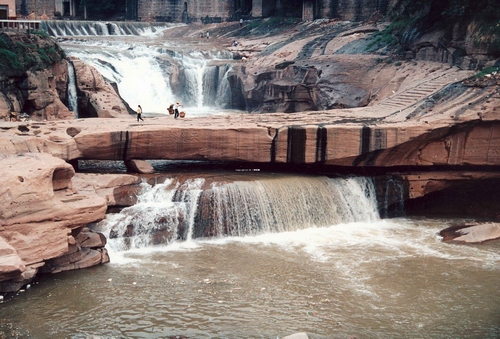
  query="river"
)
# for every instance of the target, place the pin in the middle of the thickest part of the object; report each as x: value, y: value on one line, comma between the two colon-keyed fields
x: 359, y: 276
x: 385, y: 279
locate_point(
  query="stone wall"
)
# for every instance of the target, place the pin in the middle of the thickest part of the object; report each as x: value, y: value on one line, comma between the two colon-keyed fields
x: 185, y: 11
x: 37, y: 8
x: 211, y: 11
x: 357, y: 10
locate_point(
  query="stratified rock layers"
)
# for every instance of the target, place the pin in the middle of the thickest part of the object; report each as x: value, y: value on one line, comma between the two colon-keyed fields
x: 468, y: 143
x: 40, y: 217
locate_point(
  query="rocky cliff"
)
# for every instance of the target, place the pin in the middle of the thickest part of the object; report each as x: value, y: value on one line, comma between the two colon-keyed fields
x: 43, y: 218
x: 34, y: 82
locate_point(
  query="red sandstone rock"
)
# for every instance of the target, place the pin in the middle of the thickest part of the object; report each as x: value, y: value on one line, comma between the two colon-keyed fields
x: 117, y: 189
x: 42, y: 99
x: 101, y: 98
x: 139, y: 166
x: 403, y: 124
x: 10, y: 265
x: 38, y: 210
x: 471, y: 233
x: 45, y: 93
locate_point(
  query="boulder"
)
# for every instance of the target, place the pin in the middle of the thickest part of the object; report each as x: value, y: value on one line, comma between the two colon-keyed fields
x: 87, y: 251
x: 10, y: 264
x: 471, y: 233
x: 45, y: 90
x: 139, y: 166
x: 100, y: 98
x: 39, y: 209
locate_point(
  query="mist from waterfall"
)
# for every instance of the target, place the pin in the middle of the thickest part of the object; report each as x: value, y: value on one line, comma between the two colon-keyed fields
x: 174, y: 211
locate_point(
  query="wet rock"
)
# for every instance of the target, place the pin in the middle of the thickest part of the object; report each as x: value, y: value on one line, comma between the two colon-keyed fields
x: 301, y: 335
x: 100, y: 98
x: 139, y: 166
x: 471, y: 233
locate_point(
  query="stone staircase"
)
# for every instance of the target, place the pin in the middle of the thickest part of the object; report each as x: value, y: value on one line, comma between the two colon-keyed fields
x: 399, y: 105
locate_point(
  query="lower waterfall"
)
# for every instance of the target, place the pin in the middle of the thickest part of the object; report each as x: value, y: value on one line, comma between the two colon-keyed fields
x: 174, y: 211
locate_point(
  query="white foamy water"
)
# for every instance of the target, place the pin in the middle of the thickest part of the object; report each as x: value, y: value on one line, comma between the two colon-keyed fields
x: 146, y: 67
x: 380, y: 279
x: 139, y: 76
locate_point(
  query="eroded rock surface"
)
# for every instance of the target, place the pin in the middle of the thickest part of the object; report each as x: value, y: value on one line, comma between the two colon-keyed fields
x: 471, y: 233
x: 99, y: 98
x: 40, y: 215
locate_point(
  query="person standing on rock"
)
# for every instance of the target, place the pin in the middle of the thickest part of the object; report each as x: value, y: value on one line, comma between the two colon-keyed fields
x: 139, y: 113
x: 176, y: 110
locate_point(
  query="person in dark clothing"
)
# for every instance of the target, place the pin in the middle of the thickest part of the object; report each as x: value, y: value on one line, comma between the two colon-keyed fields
x: 139, y: 113
x: 176, y: 110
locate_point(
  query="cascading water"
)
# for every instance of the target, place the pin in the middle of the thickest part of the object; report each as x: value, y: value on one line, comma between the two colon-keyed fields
x: 136, y: 70
x: 394, y: 198
x: 193, y: 70
x: 289, y: 204
x: 338, y: 272
x: 204, y: 85
x: 58, y: 28
x: 72, y: 93
x: 170, y: 211
x: 146, y: 69
x: 163, y: 213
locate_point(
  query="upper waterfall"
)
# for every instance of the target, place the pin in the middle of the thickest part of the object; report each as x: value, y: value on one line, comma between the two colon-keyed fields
x: 59, y: 28
x: 148, y: 69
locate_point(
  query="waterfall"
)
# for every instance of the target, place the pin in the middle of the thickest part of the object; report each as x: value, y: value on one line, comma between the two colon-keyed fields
x: 147, y: 70
x: 172, y: 211
x: 393, y: 192
x: 137, y: 71
x: 72, y: 94
x: 193, y: 68
x: 204, y: 85
x: 64, y: 28
x: 143, y: 75
x: 210, y: 85
x: 224, y: 95
x: 289, y: 204
x: 163, y: 213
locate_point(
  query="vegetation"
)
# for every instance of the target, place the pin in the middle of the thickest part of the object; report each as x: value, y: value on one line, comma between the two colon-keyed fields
x: 413, y: 18
x: 389, y: 36
x: 488, y: 70
x: 271, y: 24
x: 21, y: 53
